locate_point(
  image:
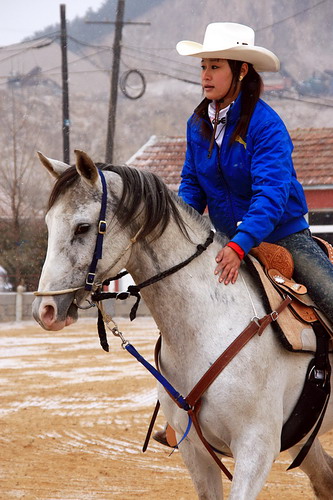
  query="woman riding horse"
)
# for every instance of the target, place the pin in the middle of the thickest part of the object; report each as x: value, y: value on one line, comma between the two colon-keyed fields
x: 238, y: 162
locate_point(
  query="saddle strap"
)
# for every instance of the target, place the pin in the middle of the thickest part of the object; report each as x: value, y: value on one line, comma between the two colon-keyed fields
x: 151, y: 426
x: 306, y: 448
x: 157, y: 407
x: 309, y: 411
x: 303, y: 307
x: 194, y: 416
x: 256, y: 326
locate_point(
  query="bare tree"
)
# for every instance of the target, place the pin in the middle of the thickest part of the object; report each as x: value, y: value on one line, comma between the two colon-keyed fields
x: 21, y: 195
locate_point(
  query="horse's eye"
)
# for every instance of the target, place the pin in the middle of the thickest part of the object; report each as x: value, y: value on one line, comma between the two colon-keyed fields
x: 82, y: 228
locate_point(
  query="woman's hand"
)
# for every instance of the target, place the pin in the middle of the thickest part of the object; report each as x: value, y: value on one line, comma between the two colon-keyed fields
x: 228, y: 265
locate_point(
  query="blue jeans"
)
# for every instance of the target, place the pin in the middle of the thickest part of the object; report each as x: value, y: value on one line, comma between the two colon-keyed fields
x: 312, y: 268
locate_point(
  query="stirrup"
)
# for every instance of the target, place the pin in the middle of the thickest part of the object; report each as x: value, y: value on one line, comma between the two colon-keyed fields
x: 160, y: 437
x: 166, y: 436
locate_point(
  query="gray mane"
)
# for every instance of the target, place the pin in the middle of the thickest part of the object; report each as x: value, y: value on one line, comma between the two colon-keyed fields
x: 160, y: 202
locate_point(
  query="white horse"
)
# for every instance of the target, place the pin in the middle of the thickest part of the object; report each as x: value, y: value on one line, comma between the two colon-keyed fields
x: 244, y: 410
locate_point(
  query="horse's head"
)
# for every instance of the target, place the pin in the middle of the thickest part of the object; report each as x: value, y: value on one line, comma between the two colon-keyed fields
x: 139, y: 208
x: 72, y: 220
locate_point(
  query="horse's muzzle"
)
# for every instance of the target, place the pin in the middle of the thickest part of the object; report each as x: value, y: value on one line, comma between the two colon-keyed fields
x: 55, y: 312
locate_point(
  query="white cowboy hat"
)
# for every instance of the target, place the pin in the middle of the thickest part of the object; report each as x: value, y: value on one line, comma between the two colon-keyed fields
x: 230, y: 41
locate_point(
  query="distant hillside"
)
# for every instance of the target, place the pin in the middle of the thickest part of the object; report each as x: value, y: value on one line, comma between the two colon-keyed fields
x: 298, y: 31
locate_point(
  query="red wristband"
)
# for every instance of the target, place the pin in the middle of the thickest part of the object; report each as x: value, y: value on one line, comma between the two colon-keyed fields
x: 240, y: 252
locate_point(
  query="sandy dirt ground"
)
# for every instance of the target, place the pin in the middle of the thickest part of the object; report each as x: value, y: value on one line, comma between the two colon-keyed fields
x: 73, y: 420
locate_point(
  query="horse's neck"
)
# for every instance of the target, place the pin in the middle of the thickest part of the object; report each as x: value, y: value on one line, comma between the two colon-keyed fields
x: 191, y: 300
x: 171, y: 248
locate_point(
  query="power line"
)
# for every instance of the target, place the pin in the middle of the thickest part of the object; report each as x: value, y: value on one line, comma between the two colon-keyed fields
x: 174, y: 77
x: 42, y: 37
x: 27, y: 49
x: 158, y: 72
x: 152, y: 54
x: 151, y: 58
x: 85, y: 44
x: 52, y: 40
x: 328, y: 102
x: 291, y: 17
x: 154, y: 60
x: 75, y: 61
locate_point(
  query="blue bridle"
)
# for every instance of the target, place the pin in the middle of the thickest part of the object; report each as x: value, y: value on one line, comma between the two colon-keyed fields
x: 90, y: 279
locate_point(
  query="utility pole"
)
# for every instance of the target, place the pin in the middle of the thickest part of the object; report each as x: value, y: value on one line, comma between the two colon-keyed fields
x: 65, y: 96
x: 114, y: 82
x: 119, y: 23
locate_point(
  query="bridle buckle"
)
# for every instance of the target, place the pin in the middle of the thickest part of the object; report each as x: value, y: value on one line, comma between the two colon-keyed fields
x: 90, y: 278
x: 102, y: 227
x: 274, y: 315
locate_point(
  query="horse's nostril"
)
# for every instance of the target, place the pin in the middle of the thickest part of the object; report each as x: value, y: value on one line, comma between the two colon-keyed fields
x: 48, y: 313
x: 54, y: 314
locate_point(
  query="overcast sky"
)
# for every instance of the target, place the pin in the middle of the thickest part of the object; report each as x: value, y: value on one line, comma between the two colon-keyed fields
x: 21, y: 18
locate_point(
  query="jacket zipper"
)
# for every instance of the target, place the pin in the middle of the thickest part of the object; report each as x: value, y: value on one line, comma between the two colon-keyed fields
x: 224, y: 179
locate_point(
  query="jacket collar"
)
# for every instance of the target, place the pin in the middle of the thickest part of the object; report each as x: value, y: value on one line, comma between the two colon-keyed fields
x: 233, y: 114
x: 234, y: 111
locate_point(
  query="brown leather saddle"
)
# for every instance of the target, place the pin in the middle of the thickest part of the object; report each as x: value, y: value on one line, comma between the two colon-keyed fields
x: 275, y: 267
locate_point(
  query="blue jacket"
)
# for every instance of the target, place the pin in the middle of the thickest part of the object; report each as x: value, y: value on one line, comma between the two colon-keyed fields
x: 250, y: 186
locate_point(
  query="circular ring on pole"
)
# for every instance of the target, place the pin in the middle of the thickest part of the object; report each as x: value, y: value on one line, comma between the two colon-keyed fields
x: 132, y: 84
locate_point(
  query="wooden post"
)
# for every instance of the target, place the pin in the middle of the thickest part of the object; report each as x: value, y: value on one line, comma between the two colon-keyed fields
x: 114, y: 81
x: 65, y: 96
x: 111, y: 125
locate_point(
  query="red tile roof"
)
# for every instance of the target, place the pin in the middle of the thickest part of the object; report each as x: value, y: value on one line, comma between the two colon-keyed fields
x: 313, y: 157
x: 163, y: 156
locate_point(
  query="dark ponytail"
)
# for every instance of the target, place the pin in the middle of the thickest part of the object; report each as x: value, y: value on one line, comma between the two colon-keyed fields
x: 251, y: 88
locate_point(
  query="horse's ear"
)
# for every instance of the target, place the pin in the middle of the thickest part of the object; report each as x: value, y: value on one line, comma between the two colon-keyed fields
x: 54, y: 167
x: 86, y: 167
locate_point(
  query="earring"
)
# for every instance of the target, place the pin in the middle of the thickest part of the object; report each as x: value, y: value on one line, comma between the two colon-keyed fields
x: 240, y: 78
